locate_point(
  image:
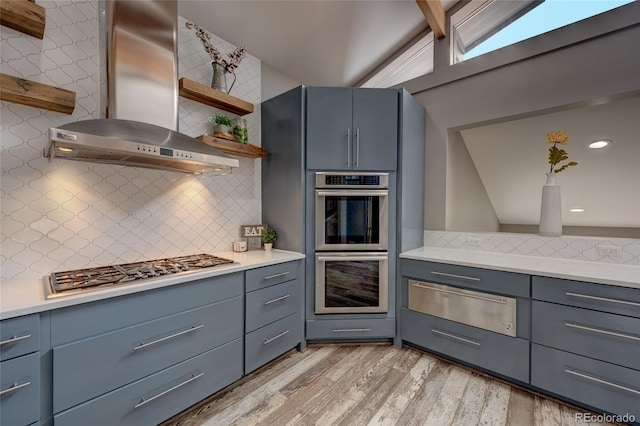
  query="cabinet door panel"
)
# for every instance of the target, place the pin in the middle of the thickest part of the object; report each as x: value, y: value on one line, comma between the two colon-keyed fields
x: 375, y: 123
x: 20, y: 390
x: 328, y: 118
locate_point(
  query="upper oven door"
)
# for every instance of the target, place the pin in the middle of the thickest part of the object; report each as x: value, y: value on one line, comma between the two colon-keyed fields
x: 352, y: 219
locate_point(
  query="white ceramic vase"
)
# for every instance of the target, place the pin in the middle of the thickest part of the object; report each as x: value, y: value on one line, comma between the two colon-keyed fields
x: 268, y: 246
x: 551, y: 208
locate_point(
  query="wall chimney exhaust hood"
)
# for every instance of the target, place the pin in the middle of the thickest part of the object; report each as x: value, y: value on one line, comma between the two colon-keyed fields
x: 142, y: 97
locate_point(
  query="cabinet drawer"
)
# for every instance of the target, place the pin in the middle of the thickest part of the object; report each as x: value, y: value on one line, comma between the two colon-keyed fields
x: 270, y: 275
x: 594, y: 383
x: 85, y: 369
x: 271, y: 304
x: 335, y: 330
x: 271, y: 341
x: 508, y: 283
x: 90, y: 319
x: 20, y: 390
x: 504, y: 355
x: 163, y: 394
x: 599, y: 335
x: 19, y: 336
x: 600, y: 297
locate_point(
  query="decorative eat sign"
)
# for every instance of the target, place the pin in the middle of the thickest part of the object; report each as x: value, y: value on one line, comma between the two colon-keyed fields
x: 251, y: 230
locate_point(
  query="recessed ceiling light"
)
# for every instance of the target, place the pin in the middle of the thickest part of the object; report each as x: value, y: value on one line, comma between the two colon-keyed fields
x: 600, y: 143
x: 576, y: 210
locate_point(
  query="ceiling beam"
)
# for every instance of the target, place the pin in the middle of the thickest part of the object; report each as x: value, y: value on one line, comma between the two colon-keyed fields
x: 433, y: 11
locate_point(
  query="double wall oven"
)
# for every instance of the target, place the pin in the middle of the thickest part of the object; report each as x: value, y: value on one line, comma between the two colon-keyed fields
x: 351, y: 242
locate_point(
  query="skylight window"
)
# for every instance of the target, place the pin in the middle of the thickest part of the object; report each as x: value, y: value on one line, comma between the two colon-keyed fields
x: 491, y: 25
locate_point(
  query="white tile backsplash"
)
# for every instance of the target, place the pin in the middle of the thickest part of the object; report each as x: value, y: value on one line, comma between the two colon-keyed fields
x: 564, y: 247
x: 62, y: 214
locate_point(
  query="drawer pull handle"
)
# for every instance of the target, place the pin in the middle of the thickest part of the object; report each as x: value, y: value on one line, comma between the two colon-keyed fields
x: 602, y: 299
x: 458, y: 293
x: 180, y: 333
x: 604, y: 382
x: 350, y: 330
x: 267, y: 341
x: 14, y: 388
x: 462, y: 339
x: 189, y: 380
x: 462, y: 277
x: 598, y: 330
x: 15, y: 339
x: 281, y: 274
x: 277, y: 299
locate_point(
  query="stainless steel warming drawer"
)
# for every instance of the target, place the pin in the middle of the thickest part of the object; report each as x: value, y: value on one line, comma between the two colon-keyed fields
x: 478, y: 309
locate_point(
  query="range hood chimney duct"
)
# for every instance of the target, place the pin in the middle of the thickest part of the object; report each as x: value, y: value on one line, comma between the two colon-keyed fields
x: 142, y: 109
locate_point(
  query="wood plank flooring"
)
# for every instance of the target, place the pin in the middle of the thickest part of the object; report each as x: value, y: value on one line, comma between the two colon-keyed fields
x: 371, y: 385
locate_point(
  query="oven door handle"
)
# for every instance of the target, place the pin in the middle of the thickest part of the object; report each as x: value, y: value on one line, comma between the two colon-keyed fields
x: 358, y: 192
x: 351, y: 257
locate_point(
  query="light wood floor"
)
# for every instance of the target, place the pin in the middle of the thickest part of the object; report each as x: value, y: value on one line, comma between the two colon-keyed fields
x: 371, y: 385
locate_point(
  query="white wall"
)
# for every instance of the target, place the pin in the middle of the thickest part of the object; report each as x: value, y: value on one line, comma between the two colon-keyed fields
x: 275, y: 82
x: 595, y: 69
x: 64, y: 215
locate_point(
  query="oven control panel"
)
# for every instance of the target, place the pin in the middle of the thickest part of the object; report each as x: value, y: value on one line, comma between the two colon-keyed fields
x: 339, y: 180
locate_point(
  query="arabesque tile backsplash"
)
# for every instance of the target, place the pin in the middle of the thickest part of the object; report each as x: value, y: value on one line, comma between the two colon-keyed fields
x: 564, y: 247
x: 62, y: 214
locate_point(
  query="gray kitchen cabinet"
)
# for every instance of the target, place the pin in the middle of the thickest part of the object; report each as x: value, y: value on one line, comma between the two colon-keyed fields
x: 351, y: 329
x: 155, y: 398
x: 504, y: 355
x: 474, y: 321
x: 352, y: 129
x: 586, y: 343
x: 163, y: 349
x: 273, y: 321
x: 20, y: 370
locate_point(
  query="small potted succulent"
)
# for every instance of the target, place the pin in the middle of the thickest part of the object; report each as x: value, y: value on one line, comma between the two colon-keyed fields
x: 269, y: 236
x: 222, y: 125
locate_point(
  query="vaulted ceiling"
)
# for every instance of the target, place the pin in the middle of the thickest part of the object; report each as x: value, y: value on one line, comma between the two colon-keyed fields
x: 318, y: 43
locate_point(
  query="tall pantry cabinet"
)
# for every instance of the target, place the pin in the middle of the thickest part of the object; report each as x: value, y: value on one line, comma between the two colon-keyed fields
x: 354, y: 130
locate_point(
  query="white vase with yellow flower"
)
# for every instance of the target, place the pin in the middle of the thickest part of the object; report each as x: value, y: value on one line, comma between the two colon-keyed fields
x: 551, y: 206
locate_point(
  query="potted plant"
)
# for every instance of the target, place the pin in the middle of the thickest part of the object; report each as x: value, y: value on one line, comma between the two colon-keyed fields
x: 222, y: 125
x: 269, y: 236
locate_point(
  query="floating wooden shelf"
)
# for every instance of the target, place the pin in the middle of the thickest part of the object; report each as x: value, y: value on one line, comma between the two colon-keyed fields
x: 234, y: 148
x: 206, y: 95
x: 23, y: 16
x: 27, y: 92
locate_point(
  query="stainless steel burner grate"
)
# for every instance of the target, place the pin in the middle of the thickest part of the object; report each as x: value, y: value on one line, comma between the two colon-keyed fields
x: 127, y: 272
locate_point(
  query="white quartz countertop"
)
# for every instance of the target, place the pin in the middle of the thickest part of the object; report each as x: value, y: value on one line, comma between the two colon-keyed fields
x: 579, y: 270
x: 21, y: 298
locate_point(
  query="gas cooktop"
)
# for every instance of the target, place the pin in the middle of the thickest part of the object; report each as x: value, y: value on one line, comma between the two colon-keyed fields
x: 73, y: 282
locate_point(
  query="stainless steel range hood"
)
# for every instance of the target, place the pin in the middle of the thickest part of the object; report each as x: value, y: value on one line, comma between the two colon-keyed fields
x: 142, y: 83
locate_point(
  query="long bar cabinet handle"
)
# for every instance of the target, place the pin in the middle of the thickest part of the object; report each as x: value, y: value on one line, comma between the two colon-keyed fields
x: 277, y: 299
x: 267, y: 341
x: 172, y: 336
x: 458, y: 293
x: 14, y: 388
x: 350, y: 330
x: 462, y: 277
x: 15, y: 339
x: 451, y: 336
x: 599, y: 330
x: 602, y: 299
x: 171, y: 389
x: 349, y: 147
x: 604, y: 382
x: 282, y: 274
x: 357, y: 147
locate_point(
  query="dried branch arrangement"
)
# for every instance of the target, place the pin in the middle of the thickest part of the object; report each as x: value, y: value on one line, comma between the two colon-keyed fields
x: 234, y: 57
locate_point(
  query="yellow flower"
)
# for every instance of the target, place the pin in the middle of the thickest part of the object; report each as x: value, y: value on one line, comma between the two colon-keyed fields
x: 558, y: 137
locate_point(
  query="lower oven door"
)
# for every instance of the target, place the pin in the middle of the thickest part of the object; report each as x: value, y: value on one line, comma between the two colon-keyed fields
x: 352, y: 282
